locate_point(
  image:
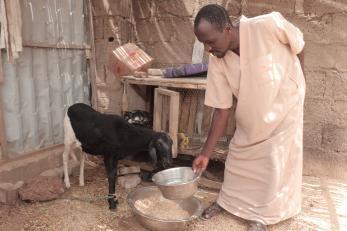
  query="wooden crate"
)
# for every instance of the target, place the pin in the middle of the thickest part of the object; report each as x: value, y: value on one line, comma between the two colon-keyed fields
x: 160, y: 114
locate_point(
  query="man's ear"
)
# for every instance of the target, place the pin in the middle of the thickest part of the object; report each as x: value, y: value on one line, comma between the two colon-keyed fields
x: 152, y: 153
x: 227, y: 27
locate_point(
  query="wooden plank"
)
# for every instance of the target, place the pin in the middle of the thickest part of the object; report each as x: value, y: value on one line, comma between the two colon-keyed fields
x: 3, y: 141
x: 165, y: 117
x: 4, y: 29
x: 92, y: 62
x: 1, y: 70
x: 156, y: 79
x: 192, y: 113
x: 157, y: 111
x: 199, y: 113
x: 171, y: 85
x: 166, y: 92
x: 14, y: 29
x: 125, y: 104
x: 57, y: 46
x: 174, y: 118
x: 185, y: 113
x: 182, y: 94
x: 188, y: 83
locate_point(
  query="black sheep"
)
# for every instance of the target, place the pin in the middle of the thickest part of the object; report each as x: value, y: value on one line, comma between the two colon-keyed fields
x: 112, y: 137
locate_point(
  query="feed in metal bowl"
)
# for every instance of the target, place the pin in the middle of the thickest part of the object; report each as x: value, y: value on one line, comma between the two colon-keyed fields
x: 191, y: 205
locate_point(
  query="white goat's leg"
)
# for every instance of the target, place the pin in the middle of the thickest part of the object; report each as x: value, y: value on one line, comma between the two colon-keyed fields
x: 66, y: 153
x: 83, y: 155
x: 73, y: 155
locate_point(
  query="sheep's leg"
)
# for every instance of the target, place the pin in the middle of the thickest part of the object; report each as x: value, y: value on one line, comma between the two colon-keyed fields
x: 81, y: 178
x: 111, y: 170
x: 73, y: 155
x: 66, y: 153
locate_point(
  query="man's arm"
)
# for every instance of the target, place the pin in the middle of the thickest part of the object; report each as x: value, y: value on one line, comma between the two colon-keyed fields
x: 218, y: 125
x: 301, y: 59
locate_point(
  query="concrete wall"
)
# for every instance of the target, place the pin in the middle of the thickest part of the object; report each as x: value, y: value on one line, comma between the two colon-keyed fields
x: 14, y: 172
x: 113, y: 26
x: 325, y: 118
x: 163, y: 28
x: 325, y: 121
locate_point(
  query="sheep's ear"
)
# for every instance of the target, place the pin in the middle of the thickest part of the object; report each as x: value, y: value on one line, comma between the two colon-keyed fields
x: 153, y: 153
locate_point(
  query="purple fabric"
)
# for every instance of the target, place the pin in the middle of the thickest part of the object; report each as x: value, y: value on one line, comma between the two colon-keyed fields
x: 186, y: 70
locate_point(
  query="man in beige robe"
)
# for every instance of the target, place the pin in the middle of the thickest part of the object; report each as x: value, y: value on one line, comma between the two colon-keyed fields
x: 258, y: 61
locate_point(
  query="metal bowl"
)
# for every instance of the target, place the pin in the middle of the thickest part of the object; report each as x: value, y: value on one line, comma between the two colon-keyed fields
x: 177, y: 183
x: 192, y: 205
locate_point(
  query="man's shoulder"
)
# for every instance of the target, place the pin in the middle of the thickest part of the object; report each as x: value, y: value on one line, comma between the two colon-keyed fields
x: 264, y: 18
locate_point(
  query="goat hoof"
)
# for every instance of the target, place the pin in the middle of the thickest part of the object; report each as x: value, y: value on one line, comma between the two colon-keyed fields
x: 146, y: 176
x: 113, y: 206
x: 113, y: 201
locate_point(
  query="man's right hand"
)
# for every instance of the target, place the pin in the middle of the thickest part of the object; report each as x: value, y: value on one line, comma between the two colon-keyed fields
x: 218, y: 125
x: 200, y: 163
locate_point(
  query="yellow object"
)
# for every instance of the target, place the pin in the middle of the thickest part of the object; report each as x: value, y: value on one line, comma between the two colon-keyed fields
x: 183, y: 140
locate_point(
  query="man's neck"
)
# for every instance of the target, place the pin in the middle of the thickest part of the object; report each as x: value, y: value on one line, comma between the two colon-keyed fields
x: 236, y: 51
x: 235, y: 33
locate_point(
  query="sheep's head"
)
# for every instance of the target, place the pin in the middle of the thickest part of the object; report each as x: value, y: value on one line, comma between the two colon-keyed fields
x: 160, y: 150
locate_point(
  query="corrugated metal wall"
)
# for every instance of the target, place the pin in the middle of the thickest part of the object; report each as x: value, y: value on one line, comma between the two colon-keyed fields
x: 43, y: 82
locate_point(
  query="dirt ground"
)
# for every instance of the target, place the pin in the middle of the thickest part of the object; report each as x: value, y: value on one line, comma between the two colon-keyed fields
x: 84, y: 208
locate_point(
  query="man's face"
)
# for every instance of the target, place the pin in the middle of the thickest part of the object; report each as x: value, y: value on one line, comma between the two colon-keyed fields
x: 215, y: 40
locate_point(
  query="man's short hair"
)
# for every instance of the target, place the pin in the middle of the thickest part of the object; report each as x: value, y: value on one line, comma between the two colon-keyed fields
x: 214, y: 14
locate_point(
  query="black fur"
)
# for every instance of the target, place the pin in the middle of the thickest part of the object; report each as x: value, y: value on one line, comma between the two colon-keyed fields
x: 114, y: 138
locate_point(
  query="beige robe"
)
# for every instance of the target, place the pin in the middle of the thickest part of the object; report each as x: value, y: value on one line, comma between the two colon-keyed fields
x: 263, y: 170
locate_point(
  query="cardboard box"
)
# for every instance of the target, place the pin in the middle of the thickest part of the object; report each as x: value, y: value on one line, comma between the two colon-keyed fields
x: 128, y: 59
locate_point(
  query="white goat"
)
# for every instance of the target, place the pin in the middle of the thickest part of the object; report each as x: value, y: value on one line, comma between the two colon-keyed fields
x: 71, y: 143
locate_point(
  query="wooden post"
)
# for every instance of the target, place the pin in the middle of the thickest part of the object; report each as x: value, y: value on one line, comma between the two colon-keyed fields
x: 165, y: 113
x: 157, y: 111
x: 192, y: 113
x: 92, y: 61
x: 125, y: 105
x: 1, y: 71
x: 3, y: 141
x: 174, y: 118
x: 57, y: 46
x: 184, y: 117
